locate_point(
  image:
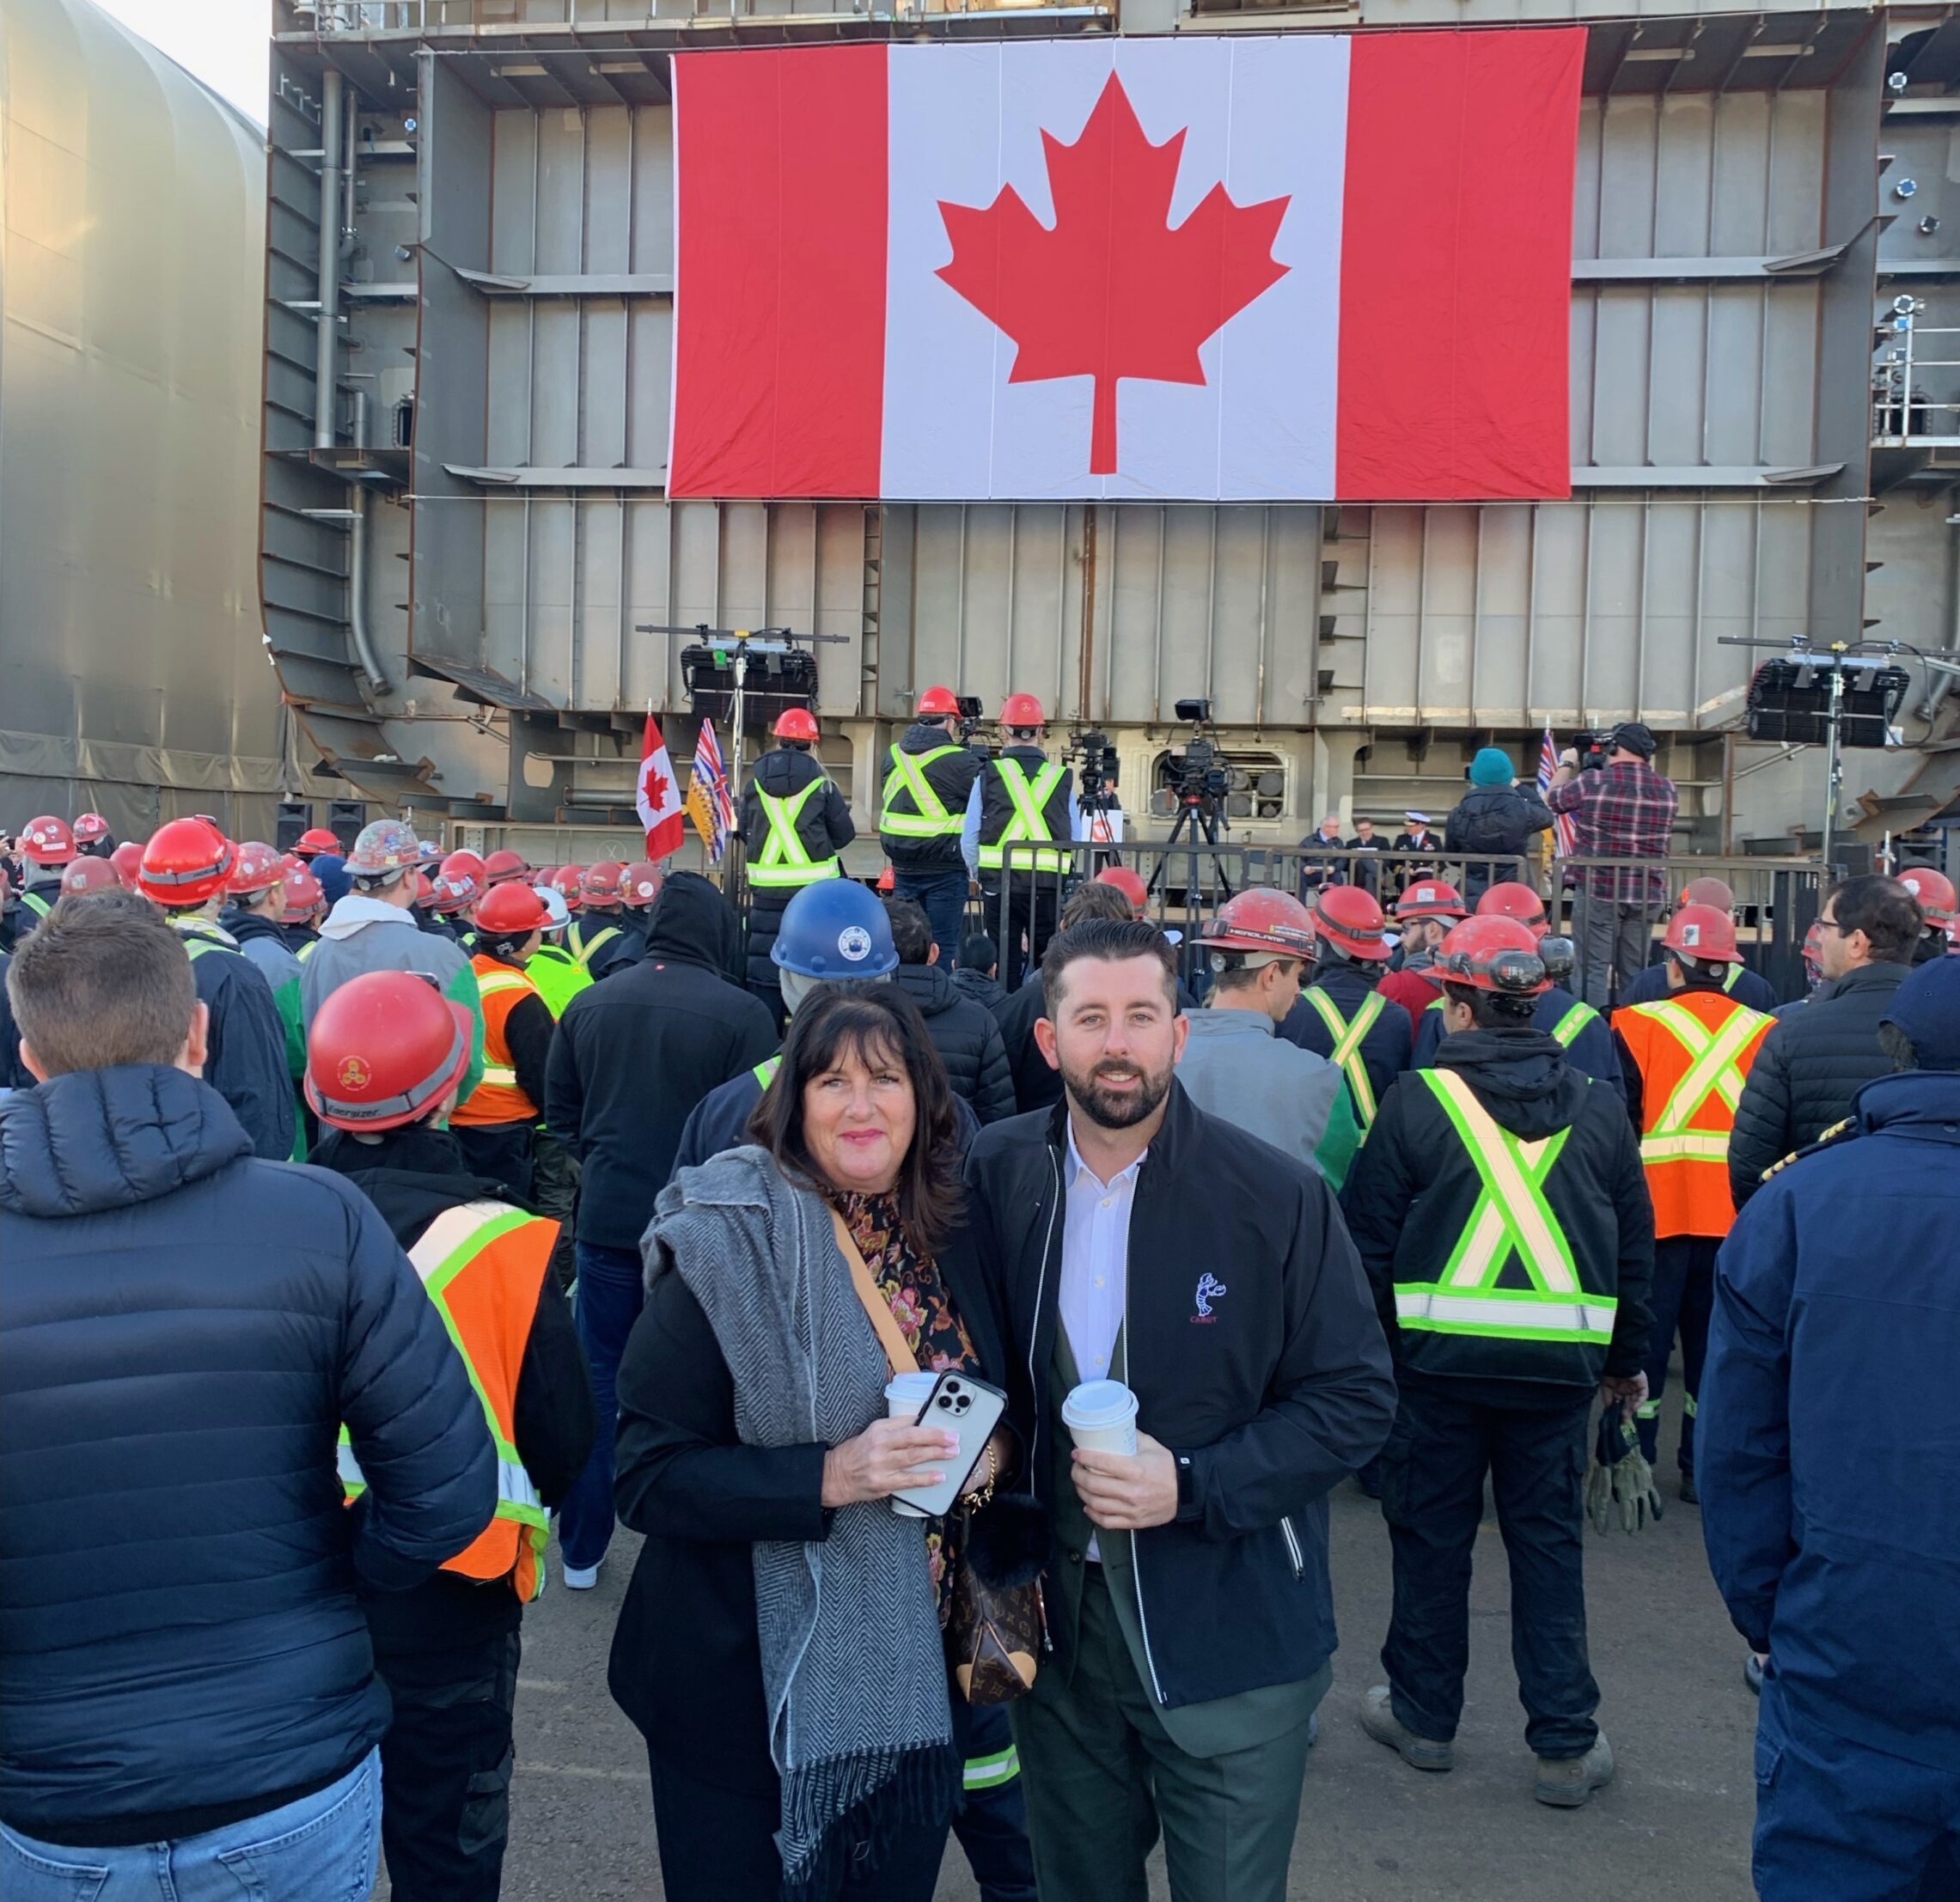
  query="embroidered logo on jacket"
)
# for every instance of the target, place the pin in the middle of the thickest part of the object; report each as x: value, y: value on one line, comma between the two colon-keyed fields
x: 1209, y: 1288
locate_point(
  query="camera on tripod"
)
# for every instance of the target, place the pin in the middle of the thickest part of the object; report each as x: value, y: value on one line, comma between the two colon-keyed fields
x: 1096, y: 767
x: 971, y: 721
x: 1200, y: 775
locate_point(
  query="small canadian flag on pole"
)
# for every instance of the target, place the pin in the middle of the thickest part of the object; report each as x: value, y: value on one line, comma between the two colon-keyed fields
x: 658, y: 798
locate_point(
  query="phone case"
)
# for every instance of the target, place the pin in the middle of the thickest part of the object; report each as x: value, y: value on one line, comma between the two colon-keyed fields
x: 961, y: 1405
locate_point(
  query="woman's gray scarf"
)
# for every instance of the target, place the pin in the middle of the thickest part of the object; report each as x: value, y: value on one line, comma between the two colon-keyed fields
x: 853, y: 1665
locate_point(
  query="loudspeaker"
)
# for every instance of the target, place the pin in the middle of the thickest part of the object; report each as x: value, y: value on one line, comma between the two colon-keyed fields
x: 344, y: 819
x: 1789, y: 702
x: 296, y: 816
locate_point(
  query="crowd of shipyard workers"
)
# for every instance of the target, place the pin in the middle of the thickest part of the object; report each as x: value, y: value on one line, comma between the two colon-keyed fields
x: 292, y: 1394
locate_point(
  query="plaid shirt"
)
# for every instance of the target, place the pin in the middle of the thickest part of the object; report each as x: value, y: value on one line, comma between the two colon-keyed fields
x: 1623, y: 811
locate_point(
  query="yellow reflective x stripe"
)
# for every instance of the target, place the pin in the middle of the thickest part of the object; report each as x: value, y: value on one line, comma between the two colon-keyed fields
x: 784, y: 859
x: 1511, y: 1212
x: 1029, y: 820
x: 1347, y: 1039
x: 990, y: 1772
x: 1568, y: 1026
x: 929, y: 819
x: 588, y: 947
x: 1713, y: 1067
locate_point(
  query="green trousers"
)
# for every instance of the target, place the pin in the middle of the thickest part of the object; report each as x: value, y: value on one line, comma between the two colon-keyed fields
x: 1102, y: 1778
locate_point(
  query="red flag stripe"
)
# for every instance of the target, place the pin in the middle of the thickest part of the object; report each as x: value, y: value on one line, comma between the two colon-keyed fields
x: 779, y: 203
x: 1456, y: 268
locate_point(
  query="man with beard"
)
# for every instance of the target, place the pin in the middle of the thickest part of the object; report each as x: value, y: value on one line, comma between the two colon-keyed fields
x: 1259, y: 1388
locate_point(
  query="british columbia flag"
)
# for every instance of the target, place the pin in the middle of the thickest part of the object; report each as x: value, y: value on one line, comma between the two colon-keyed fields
x: 1565, y: 839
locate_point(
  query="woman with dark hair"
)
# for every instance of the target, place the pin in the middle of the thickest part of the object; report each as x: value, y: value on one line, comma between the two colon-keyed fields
x: 779, y: 1648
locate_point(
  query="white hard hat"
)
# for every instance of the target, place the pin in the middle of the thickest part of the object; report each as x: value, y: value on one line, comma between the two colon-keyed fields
x: 554, y: 903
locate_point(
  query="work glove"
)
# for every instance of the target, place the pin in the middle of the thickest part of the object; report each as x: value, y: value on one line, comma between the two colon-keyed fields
x: 1620, y: 1484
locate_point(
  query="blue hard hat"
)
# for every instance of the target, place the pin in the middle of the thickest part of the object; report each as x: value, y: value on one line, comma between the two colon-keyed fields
x: 835, y: 928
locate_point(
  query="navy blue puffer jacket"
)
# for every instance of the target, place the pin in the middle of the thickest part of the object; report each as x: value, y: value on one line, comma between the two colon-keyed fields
x: 183, y: 1327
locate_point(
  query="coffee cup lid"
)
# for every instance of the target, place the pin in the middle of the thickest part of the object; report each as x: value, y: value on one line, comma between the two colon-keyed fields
x: 910, y: 1387
x: 1099, y: 1403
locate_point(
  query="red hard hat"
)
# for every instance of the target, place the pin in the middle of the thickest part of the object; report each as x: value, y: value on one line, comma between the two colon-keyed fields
x: 1700, y: 932
x: 459, y: 881
x: 316, y: 838
x: 1129, y: 884
x: 424, y: 890
x: 1492, y: 953
x: 384, y: 1049
x: 304, y: 897
x: 1709, y: 890
x: 642, y: 884
x: 796, y: 723
x: 602, y: 882
x: 185, y: 863
x: 1350, y: 920
x: 47, y: 841
x: 1432, y: 899
x: 1022, y: 710
x: 1933, y: 890
x: 887, y: 880
x: 127, y: 858
x: 1261, y: 919
x: 510, y: 911
x: 89, y: 827
x: 504, y: 864
x: 259, y: 869
x: 564, y: 882
x: 1513, y: 900
x: 89, y: 874
x: 937, y: 701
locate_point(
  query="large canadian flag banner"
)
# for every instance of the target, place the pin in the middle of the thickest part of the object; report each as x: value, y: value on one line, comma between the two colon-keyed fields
x: 1309, y: 267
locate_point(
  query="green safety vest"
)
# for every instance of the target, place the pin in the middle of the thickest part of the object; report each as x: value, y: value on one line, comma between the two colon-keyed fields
x: 198, y: 940
x: 1030, y: 799
x: 765, y: 1072
x: 928, y: 818
x: 36, y: 903
x: 557, y: 977
x: 1715, y: 1068
x: 585, y: 948
x: 1348, y: 1047
x: 784, y: 859
x: 1568, y: 1026
x: 1510, y: 1220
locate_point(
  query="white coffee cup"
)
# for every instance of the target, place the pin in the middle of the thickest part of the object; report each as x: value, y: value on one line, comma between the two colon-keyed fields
x: 1101, y: 1415
x: 905, y: 1394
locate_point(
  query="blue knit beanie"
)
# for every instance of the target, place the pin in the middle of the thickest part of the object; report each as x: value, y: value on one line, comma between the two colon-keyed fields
x: 1492, y: 767
x: 330, y: 869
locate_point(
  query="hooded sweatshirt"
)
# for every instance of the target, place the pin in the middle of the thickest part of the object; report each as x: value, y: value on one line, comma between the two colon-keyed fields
x: 1416, y: 1188
x: 185, y: 1330
x: 635, y: 1054
x: 364, y: 933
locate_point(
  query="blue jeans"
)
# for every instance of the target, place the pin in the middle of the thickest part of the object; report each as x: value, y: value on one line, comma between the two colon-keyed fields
x: 607, y: 1305
x: 943, y: 897
x: 321, y: 1849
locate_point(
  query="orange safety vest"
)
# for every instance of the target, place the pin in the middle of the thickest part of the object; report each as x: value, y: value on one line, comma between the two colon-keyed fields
x: 483, y: 1263
x: 497, y: 1099
x: 1693, y: 1049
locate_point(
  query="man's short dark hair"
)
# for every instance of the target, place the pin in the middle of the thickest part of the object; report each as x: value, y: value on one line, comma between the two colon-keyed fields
x: 1492, y: 1010
x: 912, y: 930
x: 1236, y: 970
x: 1110, y: 940
x: 978, y: 952
x: 1091, y: 901
x: 1883, y: 910
x: 103, y: 980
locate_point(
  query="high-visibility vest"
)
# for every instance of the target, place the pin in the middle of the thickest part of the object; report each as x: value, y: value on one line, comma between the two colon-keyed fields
x: 784, y: 859
x: 482, y: 1263
x: 1568, y: 1026
x: 557, y: 976
x: 1693, y: 1050
x: 497, y: 1099
x: 1029, y: 820
x: 928, y: 818
x: 1543, y: 1297
x: 36, y: 903
x: 765, y: 1072
x: 1347, y: 1045
x: 1734, y: 976
x: 200, y: 937
x: 585, y: 948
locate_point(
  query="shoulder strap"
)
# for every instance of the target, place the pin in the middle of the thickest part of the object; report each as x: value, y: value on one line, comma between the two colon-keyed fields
x: 877, y: 1309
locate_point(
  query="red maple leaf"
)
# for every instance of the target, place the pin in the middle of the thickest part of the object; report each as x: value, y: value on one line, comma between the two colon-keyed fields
x: 656, y: 785
x: 1112, y: 290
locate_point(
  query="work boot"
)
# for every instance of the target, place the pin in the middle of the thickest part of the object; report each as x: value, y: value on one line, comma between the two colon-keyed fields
x: 1379, y: 1720
x: 1689, y: 1495
x: 1567, y: 1782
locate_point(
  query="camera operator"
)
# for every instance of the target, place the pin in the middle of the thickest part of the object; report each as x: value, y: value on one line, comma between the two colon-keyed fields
x: 1620, y: 808
x: 1497, y: 816
x: 1022, y: 798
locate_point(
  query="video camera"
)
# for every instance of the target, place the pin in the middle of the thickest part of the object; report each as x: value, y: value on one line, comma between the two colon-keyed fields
x: 1594, y: 750
x: 1200, y: 775
x: 971, y: 722
x: 1096, y: 767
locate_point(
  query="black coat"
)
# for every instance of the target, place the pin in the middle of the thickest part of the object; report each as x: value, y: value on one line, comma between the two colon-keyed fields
x: 1809, y: 1067
x: 1496, y: 819
x: 1268, y: 1407
x: 952, y: 778
x: 14, y: 1073
x: 686, y: 1664
x: 988, y: 992
x: 634, y: 1055
x: 1750, y: 988
x: 245, y: 1053
x: 412, y: 1175
x: 966, y: 1037
x: 1413, y: 1188
x: 185, y: 1330
x: 616, y: 944
x: 1387, y: 1048
x: 825, y: 827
